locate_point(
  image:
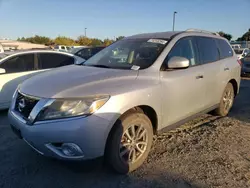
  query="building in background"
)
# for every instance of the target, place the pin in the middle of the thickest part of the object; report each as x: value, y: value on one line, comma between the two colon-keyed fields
x: 8, y: 45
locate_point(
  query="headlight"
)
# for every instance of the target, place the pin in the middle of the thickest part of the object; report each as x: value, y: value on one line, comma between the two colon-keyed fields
x: 71, y: 107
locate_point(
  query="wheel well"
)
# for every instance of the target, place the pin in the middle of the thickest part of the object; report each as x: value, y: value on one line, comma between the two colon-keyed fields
x: 147, y: 110
x: 235, y: 86
x: 150, y: 112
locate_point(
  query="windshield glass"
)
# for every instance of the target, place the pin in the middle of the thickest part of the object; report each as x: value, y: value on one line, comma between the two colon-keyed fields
x: 128, y: 54
x: 74, y: 50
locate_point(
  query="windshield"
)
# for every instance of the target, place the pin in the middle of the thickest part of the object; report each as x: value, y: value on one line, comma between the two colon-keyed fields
x: 128, y: 54
x: 74, y: 50
x: 246, y: 51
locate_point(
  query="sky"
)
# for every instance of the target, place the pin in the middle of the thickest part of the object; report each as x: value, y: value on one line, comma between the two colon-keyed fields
x: 112, y: 18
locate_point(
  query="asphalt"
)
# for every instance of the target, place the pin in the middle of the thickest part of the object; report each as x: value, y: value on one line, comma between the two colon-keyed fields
x: 192, y: 156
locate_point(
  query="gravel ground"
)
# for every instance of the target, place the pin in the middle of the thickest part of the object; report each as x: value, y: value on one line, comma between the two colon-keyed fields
x: 206, y: 152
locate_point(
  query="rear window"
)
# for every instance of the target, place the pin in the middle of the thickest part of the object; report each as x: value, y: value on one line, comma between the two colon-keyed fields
x: 225, y: 49
x: 208, y: 49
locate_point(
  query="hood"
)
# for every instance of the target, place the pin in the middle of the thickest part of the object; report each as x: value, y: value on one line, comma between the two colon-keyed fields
x: 77, y: 81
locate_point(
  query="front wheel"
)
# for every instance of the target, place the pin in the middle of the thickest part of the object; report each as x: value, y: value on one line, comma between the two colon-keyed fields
x: 226, y: 102
x: 130, y: 142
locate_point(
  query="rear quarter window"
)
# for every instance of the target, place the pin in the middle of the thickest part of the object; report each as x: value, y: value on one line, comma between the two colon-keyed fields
x: 225, y: 49
x: 208, y: 49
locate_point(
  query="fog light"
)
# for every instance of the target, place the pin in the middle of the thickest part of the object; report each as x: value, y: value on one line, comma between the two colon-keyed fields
x: 71, y: 149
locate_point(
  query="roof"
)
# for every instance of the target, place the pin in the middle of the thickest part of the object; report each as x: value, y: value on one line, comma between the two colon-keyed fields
x: 163, y: 35
x: 170, y: 34
x: 19, y: 52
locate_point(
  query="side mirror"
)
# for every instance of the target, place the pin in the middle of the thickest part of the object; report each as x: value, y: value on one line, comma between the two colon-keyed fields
x: 177, y: 62
x: 2, y: 71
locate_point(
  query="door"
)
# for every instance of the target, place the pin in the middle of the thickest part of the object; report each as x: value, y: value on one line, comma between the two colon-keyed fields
x: 182, y: 89
x: 215, y: 78
x: 18, y: 69
x: 53, y: 60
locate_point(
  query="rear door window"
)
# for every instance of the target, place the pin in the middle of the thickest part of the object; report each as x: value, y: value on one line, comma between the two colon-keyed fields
x: 51, y: 60
x: 19, y: 63
x: 208, y: 49
x: 225, y: 49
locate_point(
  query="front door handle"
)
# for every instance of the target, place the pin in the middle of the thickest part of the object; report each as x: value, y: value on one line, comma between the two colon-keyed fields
x: 226, y: 69
x: 199, y: 76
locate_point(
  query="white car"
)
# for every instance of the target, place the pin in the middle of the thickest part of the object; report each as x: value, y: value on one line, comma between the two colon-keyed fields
x: 1, y: 49
x: 62, y: 48
x: 236, y: 46
x: 17, y: 67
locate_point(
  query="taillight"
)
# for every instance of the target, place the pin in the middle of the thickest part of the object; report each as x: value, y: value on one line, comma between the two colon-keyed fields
x: 239, y: 61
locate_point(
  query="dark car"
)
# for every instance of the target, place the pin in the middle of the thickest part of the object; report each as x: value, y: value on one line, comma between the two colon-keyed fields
x: 245, y: 71
x: 86, y: 52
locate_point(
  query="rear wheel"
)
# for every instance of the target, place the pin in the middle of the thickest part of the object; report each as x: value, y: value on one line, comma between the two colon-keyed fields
x: 226, y: 102
x: 130, y: 142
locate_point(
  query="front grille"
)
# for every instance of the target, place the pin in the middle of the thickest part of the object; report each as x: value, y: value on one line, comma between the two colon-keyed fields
x: 24, y: 104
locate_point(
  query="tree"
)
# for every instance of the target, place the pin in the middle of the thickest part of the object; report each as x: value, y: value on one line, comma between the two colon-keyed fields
x: 36, y: 39
x: 61, y: 40
x: 107, y: 42
x: 96, y: 42
x: 226, y: 35
x: 119, y: 38
x: 245, y: 36
x: 85, y: 41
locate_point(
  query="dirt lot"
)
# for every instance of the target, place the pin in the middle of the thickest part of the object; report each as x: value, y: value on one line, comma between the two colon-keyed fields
x: 207, y: 152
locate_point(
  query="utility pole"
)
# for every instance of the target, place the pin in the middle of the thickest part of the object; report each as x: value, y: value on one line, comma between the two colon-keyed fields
x: 85, y: 29
x: 174, y: 19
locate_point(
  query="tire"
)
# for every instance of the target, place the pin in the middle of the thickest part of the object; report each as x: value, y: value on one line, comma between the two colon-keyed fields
x: 226, y: 101
x: 120, y: 148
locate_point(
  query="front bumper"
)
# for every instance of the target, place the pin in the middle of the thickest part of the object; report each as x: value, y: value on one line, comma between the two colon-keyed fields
x: 89, y: 133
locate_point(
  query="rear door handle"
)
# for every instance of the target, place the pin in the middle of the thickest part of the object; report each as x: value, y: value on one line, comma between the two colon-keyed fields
x: 226, y: 69
x: 199, y: 76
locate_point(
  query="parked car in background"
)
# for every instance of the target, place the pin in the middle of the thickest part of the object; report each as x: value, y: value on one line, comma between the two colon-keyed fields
x: 241, y: 52
x: 86, y: 52
x: 236, y: 46
x: 245, y: 71
x: 113, y: 106
x: 62, y: 48
x: 15, y: 67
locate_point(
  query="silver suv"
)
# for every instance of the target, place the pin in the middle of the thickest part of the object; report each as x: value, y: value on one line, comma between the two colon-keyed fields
x: 114, y: 103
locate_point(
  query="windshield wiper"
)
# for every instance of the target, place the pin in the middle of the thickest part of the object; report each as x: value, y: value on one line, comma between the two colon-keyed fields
x: 101, y: 66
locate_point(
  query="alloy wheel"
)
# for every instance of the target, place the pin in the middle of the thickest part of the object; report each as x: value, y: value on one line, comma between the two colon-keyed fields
x: 133, y: 143
x: 228, y: 99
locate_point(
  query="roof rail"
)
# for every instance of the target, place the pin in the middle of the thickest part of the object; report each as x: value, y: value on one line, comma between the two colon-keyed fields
x: 202, y: 31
